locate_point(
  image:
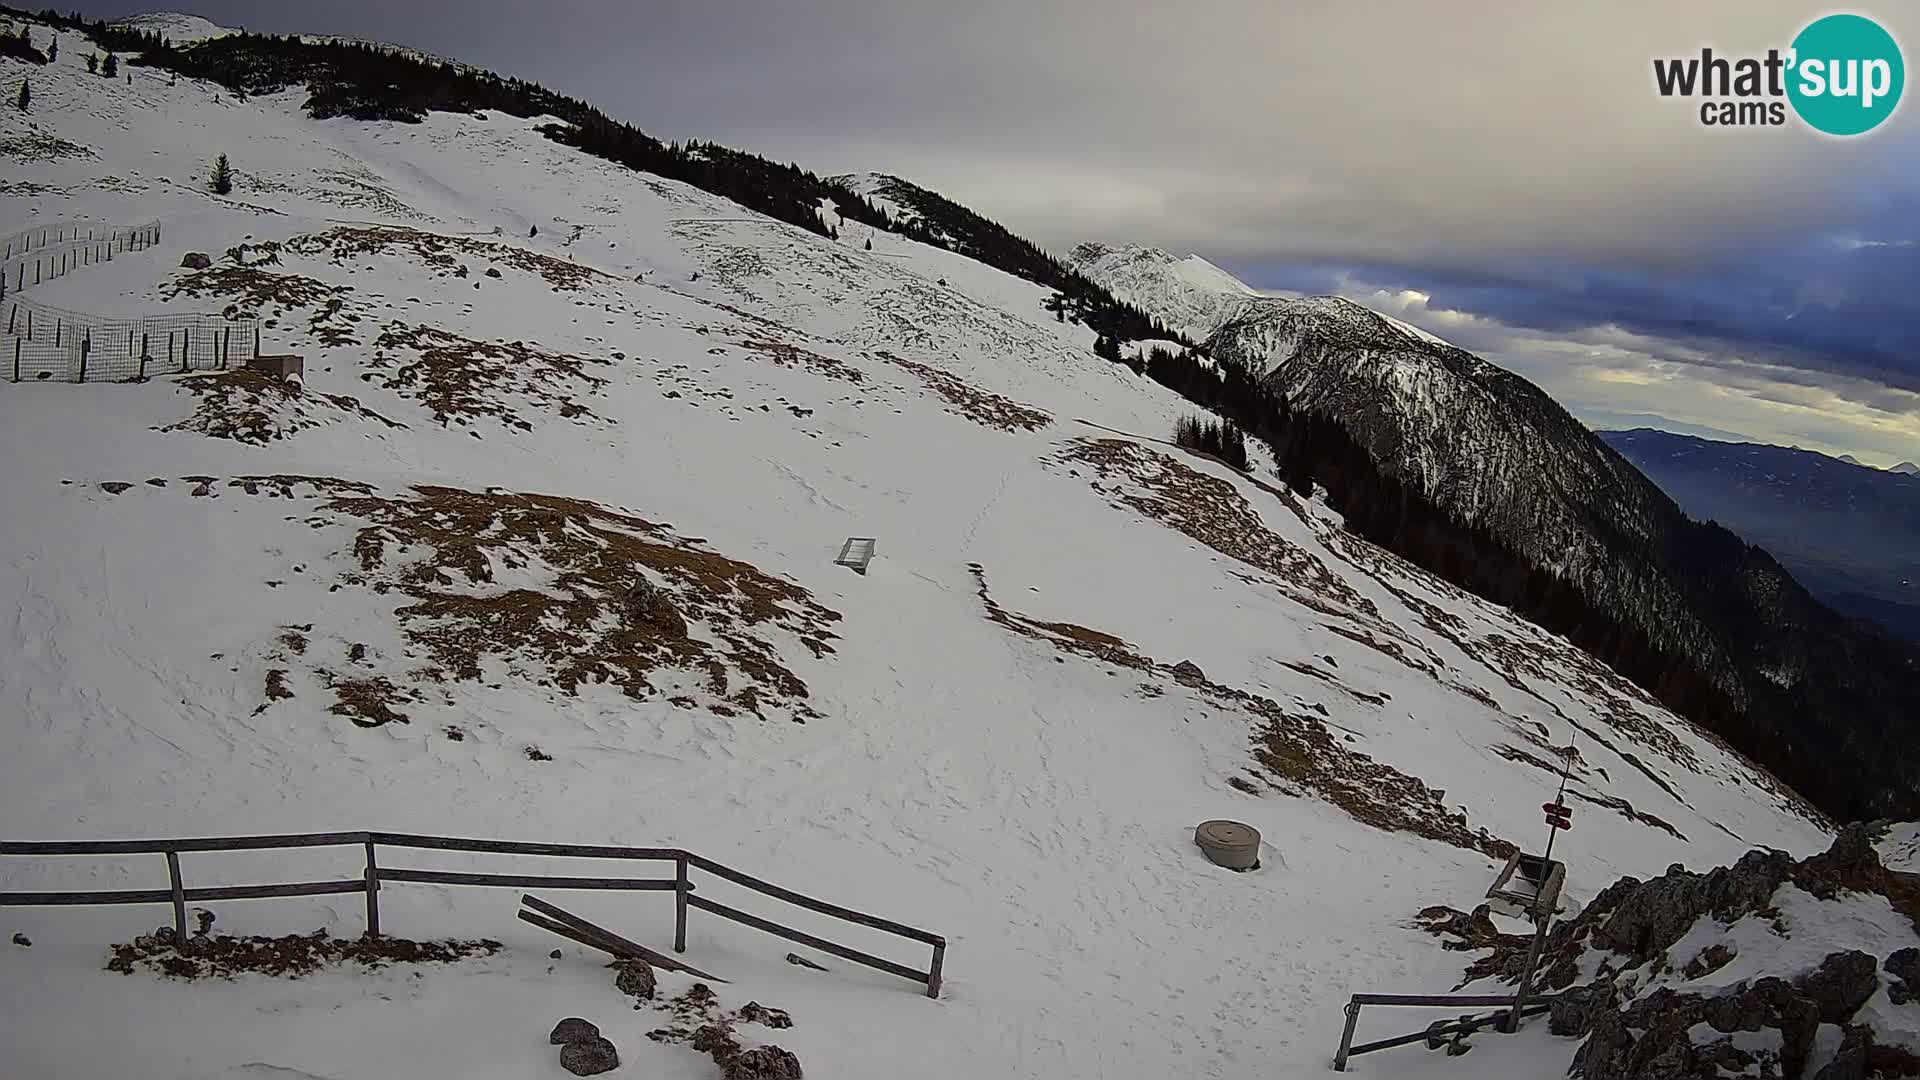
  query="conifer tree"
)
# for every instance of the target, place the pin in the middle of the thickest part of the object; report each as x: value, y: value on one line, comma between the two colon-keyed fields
x: 93, y: 63
x: 111, y: 68
x: 222, y: 176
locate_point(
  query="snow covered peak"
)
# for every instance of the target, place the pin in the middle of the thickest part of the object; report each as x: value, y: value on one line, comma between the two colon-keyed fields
x: 1907, y: 467
x: 1189, y: 294
x: 175, y: 26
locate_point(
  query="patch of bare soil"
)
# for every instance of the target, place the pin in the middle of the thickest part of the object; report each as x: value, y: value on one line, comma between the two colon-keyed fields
x: 1210, y: 511
x: 367, y: 701
x: 462, y: 380
x: 980, y: 406
x: 293, y: 956
x: 1296, y: 753
x: 623, y: 598
x: 787, y: 355
x: 258, y: 408
x: 444, y: 253
x: 36, y: 146
x: 699, y: 1022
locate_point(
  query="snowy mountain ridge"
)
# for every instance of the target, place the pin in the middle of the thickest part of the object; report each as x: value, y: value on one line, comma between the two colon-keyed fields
x: 1716, y: 627
x: 541, y: 548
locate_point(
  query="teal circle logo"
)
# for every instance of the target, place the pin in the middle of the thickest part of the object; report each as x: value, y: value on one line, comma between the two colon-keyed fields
x: 1846, y: 74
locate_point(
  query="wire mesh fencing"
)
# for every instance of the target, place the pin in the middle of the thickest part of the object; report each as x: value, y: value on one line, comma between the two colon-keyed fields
x: 40, y: 342
x: 46, y: 252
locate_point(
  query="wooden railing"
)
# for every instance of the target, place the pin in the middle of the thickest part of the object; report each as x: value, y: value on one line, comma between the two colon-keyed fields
x: 369, y: 883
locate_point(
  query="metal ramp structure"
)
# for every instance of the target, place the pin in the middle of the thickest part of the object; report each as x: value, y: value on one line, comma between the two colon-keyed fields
x: 856, y: 553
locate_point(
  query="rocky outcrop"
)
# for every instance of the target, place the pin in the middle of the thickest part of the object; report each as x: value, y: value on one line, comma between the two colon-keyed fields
x: 1676, y: 1036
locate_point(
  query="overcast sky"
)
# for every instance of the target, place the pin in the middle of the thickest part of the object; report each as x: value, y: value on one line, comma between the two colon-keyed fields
x: 1502, y: 174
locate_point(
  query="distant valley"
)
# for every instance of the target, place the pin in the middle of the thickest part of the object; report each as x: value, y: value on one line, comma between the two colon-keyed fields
x: 1850, y: 533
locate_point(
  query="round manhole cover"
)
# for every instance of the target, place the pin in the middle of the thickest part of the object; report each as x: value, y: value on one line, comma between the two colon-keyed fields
x: 1229, y: 844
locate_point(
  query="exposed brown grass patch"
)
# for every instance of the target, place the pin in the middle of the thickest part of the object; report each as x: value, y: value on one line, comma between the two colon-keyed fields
x: 788, y: 355
x: 443, y: 253
x: 36, y: 146
x: 463, y: 380
x: 258, y: 408
x: 292, y: 957
x: 368, y: 702
x: 601, y: 615
x: 1209, y: 510
x: 980, y: 406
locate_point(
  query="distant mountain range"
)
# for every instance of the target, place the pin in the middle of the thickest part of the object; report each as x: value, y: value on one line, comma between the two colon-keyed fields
x: 1849, y: 532
x: 1714, y: 626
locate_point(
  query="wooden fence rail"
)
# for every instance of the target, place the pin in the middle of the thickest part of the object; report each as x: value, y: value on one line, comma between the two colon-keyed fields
x: 681, y: 884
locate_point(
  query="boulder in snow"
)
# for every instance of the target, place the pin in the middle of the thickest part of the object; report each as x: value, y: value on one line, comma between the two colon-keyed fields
x: 589, y: 1057
x: 1841, y: 984
x: 196, y: 260
x: 633, y: 978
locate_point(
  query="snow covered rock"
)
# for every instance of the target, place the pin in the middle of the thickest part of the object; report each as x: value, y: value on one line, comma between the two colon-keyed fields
x: 573, y: 1029
x: 195, y: 260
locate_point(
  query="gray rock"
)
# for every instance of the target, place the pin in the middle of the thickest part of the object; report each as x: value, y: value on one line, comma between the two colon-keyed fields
x: 1843, y: 982
x: 589, y: 1057
x: 21, y: 940
x: 1574, y: 1008
x: 1850, y: 1061
x: 196, y: 260
x: 755, y: 1013
x: 573, y: 1029
x: 554, y: 955
x: 1904, y: 966
x: 201, y: 490
x: 761, y: 1063
x: 633, y: 978
x: 1652, y: 1039
x: 1187, y: 669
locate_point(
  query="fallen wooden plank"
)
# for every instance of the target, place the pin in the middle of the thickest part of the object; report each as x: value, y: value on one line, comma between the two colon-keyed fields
x: 657, y: 959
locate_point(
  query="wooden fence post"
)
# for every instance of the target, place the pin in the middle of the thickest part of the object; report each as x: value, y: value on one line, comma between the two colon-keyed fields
x: 933, y: 973
x: 226, y: 347
x: 680, y: 903
x: 16, y: 359
x: 256, y: 341
x: 179, y: 899
x: 86, y: 346
x: 373, y: 894
x: 56, y: 332
x: 143, y: 357
x: 186, y: 345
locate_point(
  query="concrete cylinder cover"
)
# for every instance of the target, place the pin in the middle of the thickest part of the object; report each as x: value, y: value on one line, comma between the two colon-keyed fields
x: 1229, y: 844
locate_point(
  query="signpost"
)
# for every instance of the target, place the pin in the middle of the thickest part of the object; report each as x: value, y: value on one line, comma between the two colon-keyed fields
x: 1559, y: 817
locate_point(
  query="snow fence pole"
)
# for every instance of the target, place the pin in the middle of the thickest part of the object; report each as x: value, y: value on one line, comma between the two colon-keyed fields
x: 680, y: 903
x: 179, y: 900
x: 373, y: 893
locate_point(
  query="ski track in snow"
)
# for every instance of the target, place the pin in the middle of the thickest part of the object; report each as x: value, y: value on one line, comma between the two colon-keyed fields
x: 1034, y: 806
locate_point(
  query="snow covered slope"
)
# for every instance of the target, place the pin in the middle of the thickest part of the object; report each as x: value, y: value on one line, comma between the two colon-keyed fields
x: 233, y: 607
